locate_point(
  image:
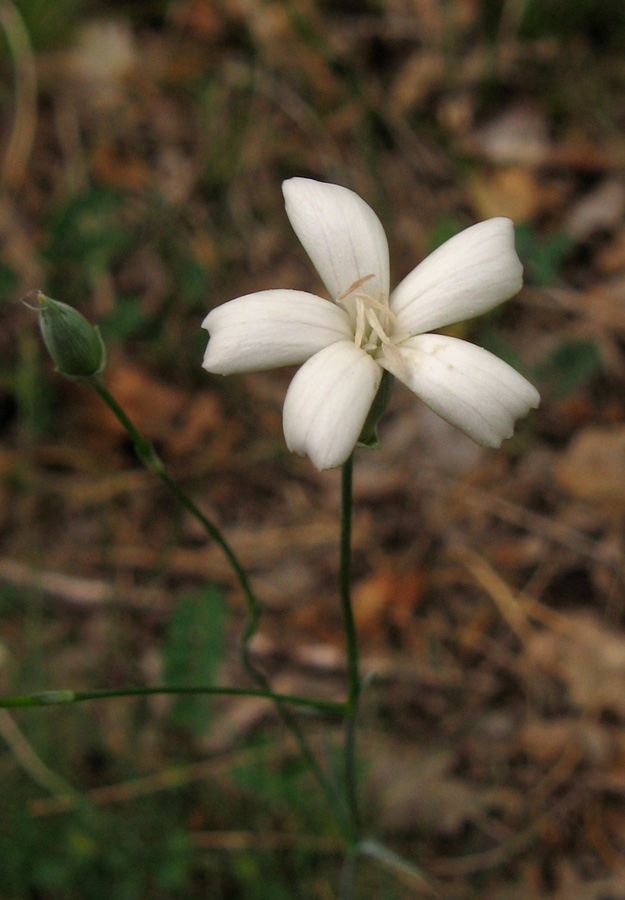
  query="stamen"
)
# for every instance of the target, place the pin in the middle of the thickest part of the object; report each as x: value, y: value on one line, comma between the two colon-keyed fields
x: 360, y: 322
x: 381, y: 305
x: 354, y: 287
x: 387, y: 317
x: 372, y: 318
x: 375, y: 326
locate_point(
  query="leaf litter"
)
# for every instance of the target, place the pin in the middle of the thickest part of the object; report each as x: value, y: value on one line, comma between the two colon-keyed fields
x: 488, y: 587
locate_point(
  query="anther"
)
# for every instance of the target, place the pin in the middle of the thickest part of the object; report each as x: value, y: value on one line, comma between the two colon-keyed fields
x: 354, y: 287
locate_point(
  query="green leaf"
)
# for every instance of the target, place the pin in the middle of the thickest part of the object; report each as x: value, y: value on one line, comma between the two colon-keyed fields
x: 126, y: 319
x: 194, y: 649
x: 87, y: 235
x: 542, y: 257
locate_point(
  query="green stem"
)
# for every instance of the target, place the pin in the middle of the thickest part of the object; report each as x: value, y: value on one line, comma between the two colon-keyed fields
x: 55, y: 697
x: 150, y: 458
x: 353, y: 676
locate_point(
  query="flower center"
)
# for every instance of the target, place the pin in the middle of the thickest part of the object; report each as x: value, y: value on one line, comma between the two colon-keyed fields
x: 374, y: 322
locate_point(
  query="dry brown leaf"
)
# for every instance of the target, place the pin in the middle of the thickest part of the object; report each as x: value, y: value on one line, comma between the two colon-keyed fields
x: 177, y: 420
x: 612, y: 258
x: 149, y: 402
x: 593, y: 466
x: 204, y: 415
x: 414, y: 789
x: 386, y: 596
x: 589, y: 661
x: 104, y: 56
x: 516, y: 137
x: 601, y: 209
x: 570, y: 887
x: 513, y: 191
x: 119, y: 170
x: 605, y: 303
x: 201, y: 17
x: 418, y: 76
x: 547, y: 740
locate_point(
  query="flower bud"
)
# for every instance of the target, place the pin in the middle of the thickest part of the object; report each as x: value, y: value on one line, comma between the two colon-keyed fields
x: 75, y: 345
x: 369, y: 434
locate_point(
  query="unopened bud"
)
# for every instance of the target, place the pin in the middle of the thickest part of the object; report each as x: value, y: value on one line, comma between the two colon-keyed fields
x: 75, y: 345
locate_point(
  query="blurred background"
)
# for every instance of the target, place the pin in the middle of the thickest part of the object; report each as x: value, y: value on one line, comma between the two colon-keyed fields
x: 142, y: 148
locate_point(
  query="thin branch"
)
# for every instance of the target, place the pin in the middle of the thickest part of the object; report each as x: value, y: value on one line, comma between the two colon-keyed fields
x: 29, y: 761
x: 62, y: 697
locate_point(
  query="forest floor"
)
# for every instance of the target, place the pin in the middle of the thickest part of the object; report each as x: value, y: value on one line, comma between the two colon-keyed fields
x: 142, y: 157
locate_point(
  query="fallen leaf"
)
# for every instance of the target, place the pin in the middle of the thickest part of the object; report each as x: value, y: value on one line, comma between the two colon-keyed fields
x: 512, y: 191
x: 516, y: 137
x: 589, y: 660
x: 612, y: 258
x: 593, y: 465
x: 601, y: 209
x: 387, y: 596
x: 414, y: 789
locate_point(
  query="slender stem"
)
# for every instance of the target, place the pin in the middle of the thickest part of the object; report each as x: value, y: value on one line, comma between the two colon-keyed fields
x: 150, y: 458
x: 56, y: 697
x: 353, y: 676
x: 350, y: 772
x: 345, y: 582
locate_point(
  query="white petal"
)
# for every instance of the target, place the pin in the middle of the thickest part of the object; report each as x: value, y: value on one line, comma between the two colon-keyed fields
x: 466, y: 385
x: 327, y: 403
x: 469, y: 274
x: 342, y: 235
x: 271, y: 328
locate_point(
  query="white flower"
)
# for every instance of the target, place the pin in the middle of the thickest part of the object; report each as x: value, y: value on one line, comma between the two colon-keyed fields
x: 346, y: 345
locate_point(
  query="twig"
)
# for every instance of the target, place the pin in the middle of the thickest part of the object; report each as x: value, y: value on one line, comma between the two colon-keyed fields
x: 30, y: 763
x: 79, y: 591
x: 124, y: 791
x: 500, y: 592
x: 405, y: 871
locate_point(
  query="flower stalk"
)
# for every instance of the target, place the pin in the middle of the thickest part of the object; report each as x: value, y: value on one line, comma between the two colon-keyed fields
x: 63, y: 697
x: 353, y: 674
